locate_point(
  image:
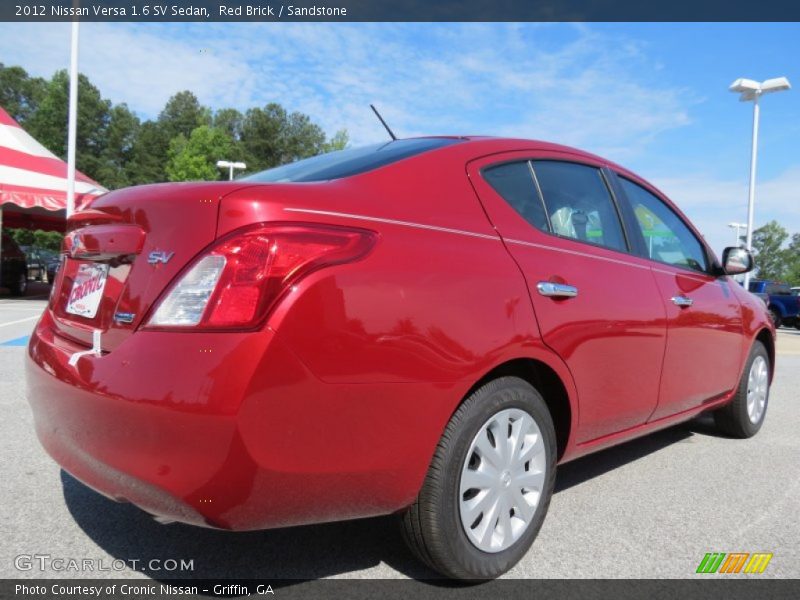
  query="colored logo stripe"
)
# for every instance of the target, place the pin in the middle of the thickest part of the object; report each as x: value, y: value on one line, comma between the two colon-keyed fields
x: 758, y: 562
x: 713, y: 562
x: 734, y: 562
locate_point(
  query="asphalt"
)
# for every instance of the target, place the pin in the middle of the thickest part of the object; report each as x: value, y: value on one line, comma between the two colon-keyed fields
x: 651, y: 508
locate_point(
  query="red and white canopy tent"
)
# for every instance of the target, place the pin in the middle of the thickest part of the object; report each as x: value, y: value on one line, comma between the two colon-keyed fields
x: 33, y: 181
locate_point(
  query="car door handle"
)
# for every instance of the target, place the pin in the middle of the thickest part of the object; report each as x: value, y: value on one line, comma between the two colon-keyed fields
x: 556, y: 290
x: 682, y: 301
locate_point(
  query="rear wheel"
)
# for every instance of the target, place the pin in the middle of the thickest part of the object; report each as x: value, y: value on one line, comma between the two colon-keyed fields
x: 489, y: 484
x: 744, y: 416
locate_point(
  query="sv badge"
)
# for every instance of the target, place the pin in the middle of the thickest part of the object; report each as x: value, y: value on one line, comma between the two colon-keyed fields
x: 159, y: 256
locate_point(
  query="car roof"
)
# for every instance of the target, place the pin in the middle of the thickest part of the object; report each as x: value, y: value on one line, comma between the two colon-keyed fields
x: 482, y: 145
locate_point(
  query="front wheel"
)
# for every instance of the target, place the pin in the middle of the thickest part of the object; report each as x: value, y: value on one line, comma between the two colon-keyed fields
x: 777, y: 320
x: 745, y: 414
x: 489, y: 484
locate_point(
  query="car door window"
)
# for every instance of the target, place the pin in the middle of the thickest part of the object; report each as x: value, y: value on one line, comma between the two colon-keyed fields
x: 579, y: 204
x: 514, y: 182
x: 667, y: 238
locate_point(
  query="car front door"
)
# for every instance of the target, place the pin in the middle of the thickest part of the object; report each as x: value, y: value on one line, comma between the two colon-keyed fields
x: 595, y: 301
x: 704, y: 320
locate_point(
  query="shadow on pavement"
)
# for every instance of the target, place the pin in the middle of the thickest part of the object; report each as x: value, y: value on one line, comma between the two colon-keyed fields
x: 302, y: 553
x: 309, y: 552
x: 586, y: 468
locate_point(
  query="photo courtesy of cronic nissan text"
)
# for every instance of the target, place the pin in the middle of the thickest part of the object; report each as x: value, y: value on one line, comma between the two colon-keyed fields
x: 452, y: 300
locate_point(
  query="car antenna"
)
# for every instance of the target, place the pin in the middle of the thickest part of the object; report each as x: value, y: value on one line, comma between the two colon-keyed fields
x: 377, y: 114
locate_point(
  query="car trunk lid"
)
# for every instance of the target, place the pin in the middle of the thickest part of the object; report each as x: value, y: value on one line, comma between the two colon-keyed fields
x: 124, y: 250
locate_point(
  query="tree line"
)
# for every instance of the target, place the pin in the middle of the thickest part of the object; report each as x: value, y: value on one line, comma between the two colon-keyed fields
x: 775, y: 259
x: 117, y: 149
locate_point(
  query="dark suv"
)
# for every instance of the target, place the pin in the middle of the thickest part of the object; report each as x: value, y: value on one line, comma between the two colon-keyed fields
x: 13, y: 267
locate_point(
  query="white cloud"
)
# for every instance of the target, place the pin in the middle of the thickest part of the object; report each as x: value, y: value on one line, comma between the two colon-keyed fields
x: 577, y: 87
x: 130, y: 64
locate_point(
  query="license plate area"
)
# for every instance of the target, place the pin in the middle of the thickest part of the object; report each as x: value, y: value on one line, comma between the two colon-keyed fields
x: 87, y: 290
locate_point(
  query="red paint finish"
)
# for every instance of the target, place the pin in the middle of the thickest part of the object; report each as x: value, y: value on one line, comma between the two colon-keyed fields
x: 331, y: 407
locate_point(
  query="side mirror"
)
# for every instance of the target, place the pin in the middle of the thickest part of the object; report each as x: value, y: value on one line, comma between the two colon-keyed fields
x: 737, y: 260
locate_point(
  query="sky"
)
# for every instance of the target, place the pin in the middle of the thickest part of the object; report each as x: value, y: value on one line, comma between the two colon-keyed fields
x: 650, y: 96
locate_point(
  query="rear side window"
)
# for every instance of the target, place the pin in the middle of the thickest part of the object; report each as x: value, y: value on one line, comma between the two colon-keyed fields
x: 353, y: 161
x: 579, y: 204
x: 514, y: 182
x: 667, y: 238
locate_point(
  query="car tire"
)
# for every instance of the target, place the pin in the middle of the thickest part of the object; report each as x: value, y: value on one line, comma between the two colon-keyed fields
x: 20, y: 285
x: 776, y: 317
x: 744, y: 415
x: 436, y: 525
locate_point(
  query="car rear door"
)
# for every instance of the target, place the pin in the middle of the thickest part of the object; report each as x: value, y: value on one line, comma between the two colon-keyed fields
x: 704, y: 318
x: 596, y: 302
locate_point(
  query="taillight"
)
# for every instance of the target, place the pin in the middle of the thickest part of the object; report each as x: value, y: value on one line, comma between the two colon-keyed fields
x: 235, y: 283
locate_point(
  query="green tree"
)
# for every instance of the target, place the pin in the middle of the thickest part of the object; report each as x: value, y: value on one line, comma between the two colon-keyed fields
x: 40, y: 238
x: 149, y: 152
x: 48, y: 124
x: 768, y: 249
x: 793, y: 260
x: 271, y: 136
x: 52, y: 240
x: 23, y: 237
x: 339, y: 141
x: 148, y: 155
x: 123, y: 128
x: 20, y: 93
x: 182, y: 114
x: 230, y: 121
x: 195, y: 158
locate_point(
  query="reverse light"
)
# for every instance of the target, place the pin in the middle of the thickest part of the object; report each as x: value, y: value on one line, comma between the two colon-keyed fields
x: 188, y: 299
x: 235, y: 283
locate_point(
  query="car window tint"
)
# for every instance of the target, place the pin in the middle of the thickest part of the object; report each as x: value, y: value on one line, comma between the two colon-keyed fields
x: 579, y: 204
x: 351, y: 161
x: 666, y: 236
x: 514, y: 182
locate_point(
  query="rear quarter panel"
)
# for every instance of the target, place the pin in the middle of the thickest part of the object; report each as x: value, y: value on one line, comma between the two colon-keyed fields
x: 391, y: 344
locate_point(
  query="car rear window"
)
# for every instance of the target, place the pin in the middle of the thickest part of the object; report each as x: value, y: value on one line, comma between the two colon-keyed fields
x: 352, y: 161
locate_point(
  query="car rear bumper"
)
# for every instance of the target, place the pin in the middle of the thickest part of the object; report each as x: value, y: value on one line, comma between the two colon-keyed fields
x: 229, y: 430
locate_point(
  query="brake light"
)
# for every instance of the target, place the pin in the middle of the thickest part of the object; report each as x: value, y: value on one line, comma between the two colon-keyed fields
x: 235, y: 283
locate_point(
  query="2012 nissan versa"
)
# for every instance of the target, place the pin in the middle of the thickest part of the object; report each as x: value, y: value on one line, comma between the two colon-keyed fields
x: 425, y: 327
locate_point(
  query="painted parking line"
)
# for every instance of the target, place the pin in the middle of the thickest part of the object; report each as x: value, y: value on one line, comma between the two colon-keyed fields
x: 7, y: 323
x: 20, y: 341
x: 25, y: 299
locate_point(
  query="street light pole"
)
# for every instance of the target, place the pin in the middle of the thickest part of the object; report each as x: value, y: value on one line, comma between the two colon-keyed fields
x: 751, y: 194
x: 72, y: 118
x: 753, y: 90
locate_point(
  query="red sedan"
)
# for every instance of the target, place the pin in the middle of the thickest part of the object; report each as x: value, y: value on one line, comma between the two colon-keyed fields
x: 424, y: 327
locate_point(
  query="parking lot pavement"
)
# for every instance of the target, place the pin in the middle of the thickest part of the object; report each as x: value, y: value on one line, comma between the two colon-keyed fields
x: 18, y: 314
x: 650, y: 508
